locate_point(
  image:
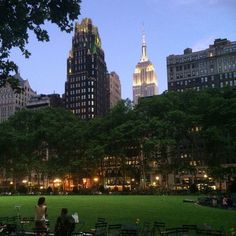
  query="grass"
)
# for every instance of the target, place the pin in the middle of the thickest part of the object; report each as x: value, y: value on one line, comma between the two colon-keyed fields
x: 124, y: 209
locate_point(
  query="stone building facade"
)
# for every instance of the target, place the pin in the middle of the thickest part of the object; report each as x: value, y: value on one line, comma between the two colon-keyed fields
x: 11, y: 102
x: 214, y: 67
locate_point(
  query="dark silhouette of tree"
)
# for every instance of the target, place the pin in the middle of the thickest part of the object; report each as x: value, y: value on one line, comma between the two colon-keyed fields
x: 18, y: 18
x: 180, y: 132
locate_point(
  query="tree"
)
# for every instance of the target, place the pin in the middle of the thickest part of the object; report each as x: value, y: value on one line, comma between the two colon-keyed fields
x: 18, y: 18
x: 39, y: 142
x: 118, y: 141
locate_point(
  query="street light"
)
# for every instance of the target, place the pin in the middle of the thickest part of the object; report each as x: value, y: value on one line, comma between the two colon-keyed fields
x: 205, y: 181
x: 95, y: 179
x: 157, y: 179
x: 84, y: 182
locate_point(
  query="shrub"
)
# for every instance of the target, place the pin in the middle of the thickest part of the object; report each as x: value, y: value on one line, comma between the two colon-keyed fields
x: 193, y: 188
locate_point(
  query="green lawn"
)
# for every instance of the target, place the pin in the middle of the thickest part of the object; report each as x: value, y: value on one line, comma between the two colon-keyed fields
x: 119, y: 209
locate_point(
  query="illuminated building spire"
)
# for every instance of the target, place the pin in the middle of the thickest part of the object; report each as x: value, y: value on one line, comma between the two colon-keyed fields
x: 144, y: 78
x: 144, y: 56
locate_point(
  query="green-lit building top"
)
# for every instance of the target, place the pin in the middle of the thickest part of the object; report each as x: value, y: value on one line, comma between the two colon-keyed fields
x: 86, y: 88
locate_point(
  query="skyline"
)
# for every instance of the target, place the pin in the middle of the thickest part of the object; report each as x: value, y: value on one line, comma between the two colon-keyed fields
x: 170, y: 27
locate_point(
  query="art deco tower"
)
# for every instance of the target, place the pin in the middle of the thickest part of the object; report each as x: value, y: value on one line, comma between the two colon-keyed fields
x: 144, y: 77
x: 87, y: 85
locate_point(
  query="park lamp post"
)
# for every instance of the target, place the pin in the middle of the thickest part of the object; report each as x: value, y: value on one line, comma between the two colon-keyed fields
x: 25, y: 184
x: 133, y: 183
x: 157, y: 179
x: 95, y: 179
x: 84, y: 182
x: 11, y: 186
x: 205, y: 179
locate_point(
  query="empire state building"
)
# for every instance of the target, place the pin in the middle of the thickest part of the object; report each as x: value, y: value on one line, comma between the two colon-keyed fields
x: 144, y: 77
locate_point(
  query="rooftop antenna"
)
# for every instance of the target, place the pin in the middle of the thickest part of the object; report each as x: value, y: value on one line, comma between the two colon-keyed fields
x: 144, y: 56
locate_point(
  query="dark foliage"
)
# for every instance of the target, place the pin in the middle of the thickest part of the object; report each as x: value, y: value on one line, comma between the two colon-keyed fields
x: 18, y: 18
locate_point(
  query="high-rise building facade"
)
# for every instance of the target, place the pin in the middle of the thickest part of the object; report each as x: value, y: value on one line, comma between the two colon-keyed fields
x: 87, y: 86
x: 214, y: 67
x: 115, y: 89
x: 10, y: 101
x: 56, y: 100
x: 144, y: 77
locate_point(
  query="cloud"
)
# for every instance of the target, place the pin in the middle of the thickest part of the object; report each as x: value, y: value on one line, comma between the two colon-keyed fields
x: 203, y: 43
x: 206, y: 2
x: 212, y: 2
x: 185, y: 2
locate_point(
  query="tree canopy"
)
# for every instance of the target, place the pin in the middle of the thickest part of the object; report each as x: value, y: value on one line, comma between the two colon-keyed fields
x: 18, y: 18
x: 173, y: 129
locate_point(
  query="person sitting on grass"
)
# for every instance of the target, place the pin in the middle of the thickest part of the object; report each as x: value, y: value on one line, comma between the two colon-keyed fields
x: 65, y: 224
x: 225, y: 202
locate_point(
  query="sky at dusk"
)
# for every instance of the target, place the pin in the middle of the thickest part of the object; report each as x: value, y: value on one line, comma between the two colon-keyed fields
x: 170, y: 27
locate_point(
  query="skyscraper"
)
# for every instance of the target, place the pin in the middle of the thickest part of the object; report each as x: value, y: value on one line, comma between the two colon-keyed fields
x: 87, y: 85
x: 144, y: 77
x: 115, y: 89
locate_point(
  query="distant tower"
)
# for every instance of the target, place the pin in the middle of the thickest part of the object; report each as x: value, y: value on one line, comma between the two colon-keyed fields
x: 87, y: 85
x: 115, y: 89
x: 144, y: 77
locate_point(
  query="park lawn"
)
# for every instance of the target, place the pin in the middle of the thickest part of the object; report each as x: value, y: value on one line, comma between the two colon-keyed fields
x: 124, y: 209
